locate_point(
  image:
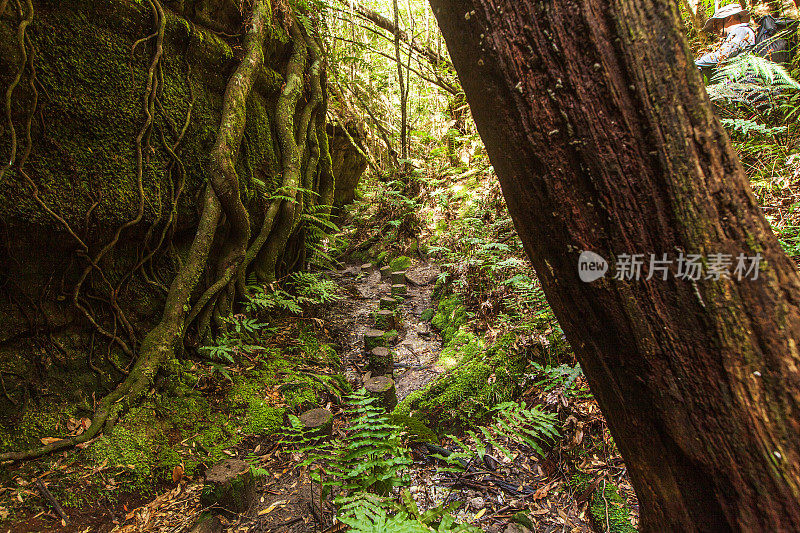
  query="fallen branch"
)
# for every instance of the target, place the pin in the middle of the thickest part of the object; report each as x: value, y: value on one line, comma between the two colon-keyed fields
x: 47, y: 495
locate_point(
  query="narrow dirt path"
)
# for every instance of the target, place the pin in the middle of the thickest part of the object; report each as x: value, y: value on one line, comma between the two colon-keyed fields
x: 289, y: 502
x: 418, y: 349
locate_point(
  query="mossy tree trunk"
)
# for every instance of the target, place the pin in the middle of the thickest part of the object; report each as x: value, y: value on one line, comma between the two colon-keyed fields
x: 210, y: 276
x: 604, y: 140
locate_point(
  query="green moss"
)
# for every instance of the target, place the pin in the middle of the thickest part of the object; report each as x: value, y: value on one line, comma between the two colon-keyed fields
x: 94, y: 93
x: 609, y: 512
x: 313, y: 351
x: 450, y: 316
x: 134, y: 444
x: 400, y: 263
x: 463, y: 345
x: 262, y: 418
x: 415, y: 428
x: 479, y: 377
x: 36, y: 422
x: 183, y: 427
x: 404, y: 408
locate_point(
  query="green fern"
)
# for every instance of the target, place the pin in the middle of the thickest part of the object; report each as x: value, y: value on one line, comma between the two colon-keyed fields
x: 375, y: 520
x: 746, y: 127
x: 370, y: 516
x: 514, y: 422
x: 562, y: 378
x: 369, y: 459
x: 529, y: 426
x: 312, y: 289
x: 750, y: 67
x: 754, y: 82
x: 297, y: 290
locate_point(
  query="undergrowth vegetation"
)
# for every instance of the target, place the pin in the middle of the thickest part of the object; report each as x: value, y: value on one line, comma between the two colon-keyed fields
x: 367, y: 472
x: 489, y: 308
x: 758, y: 102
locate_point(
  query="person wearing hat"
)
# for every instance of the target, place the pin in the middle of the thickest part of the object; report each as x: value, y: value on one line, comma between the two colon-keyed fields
x: 731, y: 21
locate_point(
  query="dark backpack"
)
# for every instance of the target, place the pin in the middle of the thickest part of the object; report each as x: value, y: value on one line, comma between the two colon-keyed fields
x: 775, y: 39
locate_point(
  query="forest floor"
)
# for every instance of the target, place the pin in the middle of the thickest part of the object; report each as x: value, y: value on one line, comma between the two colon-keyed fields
x: 492, y: 491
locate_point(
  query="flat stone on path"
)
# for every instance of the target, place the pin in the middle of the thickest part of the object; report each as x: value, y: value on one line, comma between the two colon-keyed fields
x: 399, y: 289
x: 381, y: 361
x: 229, y: 485
x: 387, y: 303
x: 399, y: 277
x: 384, y: 319
x: 317, y: 422
x: 374, y: 338
x: 382, y: 387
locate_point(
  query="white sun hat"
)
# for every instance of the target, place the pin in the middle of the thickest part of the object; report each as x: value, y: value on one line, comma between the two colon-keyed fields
x: 723, y: 13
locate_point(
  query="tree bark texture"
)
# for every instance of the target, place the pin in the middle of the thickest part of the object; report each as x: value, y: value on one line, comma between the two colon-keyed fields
x: 604, y: 140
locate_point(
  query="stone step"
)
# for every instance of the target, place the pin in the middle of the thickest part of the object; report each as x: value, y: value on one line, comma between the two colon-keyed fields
x: 399, y: 277
x: 382, y: 388
x: 380, y: 361
x: 399, y: 290
x: 229, y: 485
x: 387, y: 303
x: 374, y: 338
x: 317, y: 423
x: 385, y: 319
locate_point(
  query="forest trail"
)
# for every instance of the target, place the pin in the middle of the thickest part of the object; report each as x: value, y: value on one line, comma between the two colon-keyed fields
x: 290, y: 502
x: 419, y: 346
x: 287, y: 500
x: 492, y: 493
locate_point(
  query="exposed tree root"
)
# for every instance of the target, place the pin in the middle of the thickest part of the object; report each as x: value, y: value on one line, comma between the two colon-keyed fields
x: 175, y: 195
x: 158, y: 346
x: 306, y: 165
x: 223, y: 176
x: 223, y: 159
x: 23, y: 26
x: 268, y: 256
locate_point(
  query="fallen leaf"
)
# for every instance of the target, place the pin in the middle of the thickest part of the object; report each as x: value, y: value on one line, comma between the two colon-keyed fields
x: 86, y: 444
x: 49, y: 440
x: 480, y: 513
x: 541, y: 492
x: 272, y: 507
x: 177, y: 474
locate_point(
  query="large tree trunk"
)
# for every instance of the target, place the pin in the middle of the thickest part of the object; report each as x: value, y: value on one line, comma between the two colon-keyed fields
x: 604, y: 140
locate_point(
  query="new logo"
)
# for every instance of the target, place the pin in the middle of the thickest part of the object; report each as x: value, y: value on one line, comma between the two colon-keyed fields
x: 591, y: 266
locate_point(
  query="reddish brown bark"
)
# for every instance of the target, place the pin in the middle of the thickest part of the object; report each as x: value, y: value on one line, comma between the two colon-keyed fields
x: 604, y: 140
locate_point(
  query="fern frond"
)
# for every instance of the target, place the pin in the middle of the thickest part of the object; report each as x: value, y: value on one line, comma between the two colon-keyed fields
x: 755, y: 68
